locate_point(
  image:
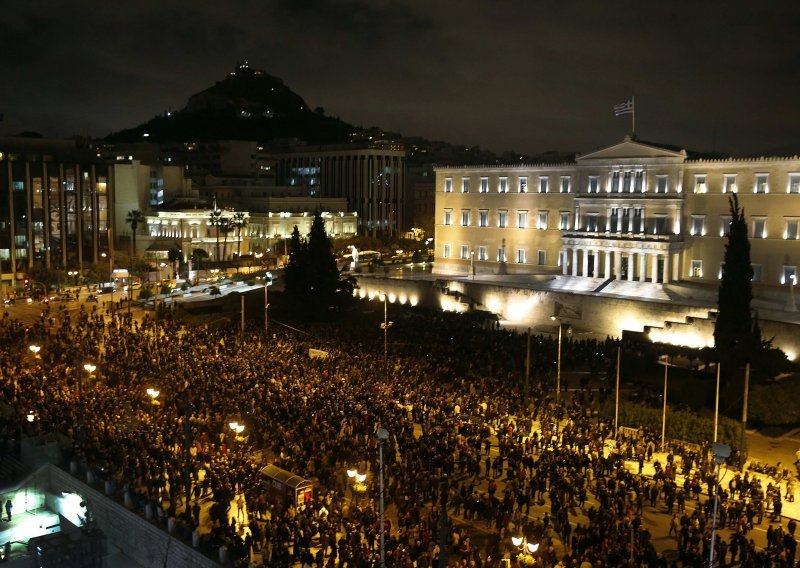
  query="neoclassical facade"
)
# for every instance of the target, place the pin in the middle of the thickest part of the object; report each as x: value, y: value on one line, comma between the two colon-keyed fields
x: 635, y: 211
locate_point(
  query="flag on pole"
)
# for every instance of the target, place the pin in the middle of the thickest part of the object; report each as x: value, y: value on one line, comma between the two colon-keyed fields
x: 624, y: 108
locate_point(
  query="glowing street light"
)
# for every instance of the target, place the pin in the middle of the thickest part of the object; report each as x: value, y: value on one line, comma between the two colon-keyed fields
x: 358, y: 481
x: 238, y: 429
x: 527, y: 550
x: 35, y: 350
x: 90, y: 368
x: 153, y: 395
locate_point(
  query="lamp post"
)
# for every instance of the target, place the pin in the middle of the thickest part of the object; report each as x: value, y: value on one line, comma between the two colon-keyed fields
x: 153, y: 393
x: 664, y: 411
x: 385, y: 326
x: 359, y: 487
x: 35, y: 350
x: 721, y: 453
x: 237, y: 429
x: 558, y: 368
x: 267, y: 284
x: 89, y: 368
x: 382, y: 435
x: 527, y: 549
x: 472, y: 264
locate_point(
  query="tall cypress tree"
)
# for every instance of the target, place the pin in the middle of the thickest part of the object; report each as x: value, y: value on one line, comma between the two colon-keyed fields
x: 733, y: 330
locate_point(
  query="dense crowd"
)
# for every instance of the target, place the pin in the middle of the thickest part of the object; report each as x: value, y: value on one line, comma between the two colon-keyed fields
x: 462, y: 436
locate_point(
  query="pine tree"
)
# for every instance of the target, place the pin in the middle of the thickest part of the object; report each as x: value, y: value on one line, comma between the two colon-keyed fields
x: 733, y: 330
x: 322, y: 270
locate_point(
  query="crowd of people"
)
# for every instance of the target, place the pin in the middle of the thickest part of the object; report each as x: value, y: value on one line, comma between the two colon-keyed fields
x: 466, y: 435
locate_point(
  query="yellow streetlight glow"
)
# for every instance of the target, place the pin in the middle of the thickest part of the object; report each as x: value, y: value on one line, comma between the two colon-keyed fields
x: 90, y: 368
x: 35, y: 349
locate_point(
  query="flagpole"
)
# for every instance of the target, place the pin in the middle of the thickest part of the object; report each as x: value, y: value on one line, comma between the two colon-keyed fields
x: 633, y: 116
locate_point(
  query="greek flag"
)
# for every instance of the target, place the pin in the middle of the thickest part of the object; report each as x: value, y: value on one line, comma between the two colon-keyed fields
x: 624, y: 108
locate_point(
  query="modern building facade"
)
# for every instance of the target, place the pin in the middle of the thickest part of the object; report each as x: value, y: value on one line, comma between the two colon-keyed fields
x: 56, y: 206
x: 370, y: 176
x: 635, y: 211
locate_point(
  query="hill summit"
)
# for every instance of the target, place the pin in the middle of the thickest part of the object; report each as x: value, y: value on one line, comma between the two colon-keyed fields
x: 249, y: 104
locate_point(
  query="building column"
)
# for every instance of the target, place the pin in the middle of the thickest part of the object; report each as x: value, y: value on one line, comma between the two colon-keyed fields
x: 642, y: 266
x: 564, y: 262
x: 607, y: 271
x: 655, y: 268
x: 667, y: 262
x: 676, y: 266
x: 631, y: 266
x: 575, y: 262
x: 596, y: 264
x: 617, y: 264
x: 585, y: 267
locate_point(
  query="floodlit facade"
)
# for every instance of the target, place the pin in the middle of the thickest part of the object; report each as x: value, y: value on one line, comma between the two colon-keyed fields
x: 635, y: 211
x: 371, y: 178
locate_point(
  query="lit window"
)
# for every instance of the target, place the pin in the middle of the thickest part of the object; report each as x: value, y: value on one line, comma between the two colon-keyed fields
x: 615, y: 182
x: 18, y: 185
x: 594, y: 184
x: 542, y: 224
x: 464, y: 252
x: 789, y: 275
x: 698, y: 227
x: 541, y: 257
x: 465, y: 185
x: 465, y: 217
x: 696, y: 270
x: 446, y: 251
x: 503, y: 187
x: 757, y: 272
x: 522, y: 219
x: 761, y: 184
x: 729, y: 184
x: 483, y: 218
x: 484, y: 185
x: 502, y: 218
x: 564, y: 184
x: 760, y: 229
x: 638, y: 184
x: 520, y: 256
x: 724, y: 226
x: 448, y: 216
x: 482, y: 253
x: 700, y: 185
x: 794, y: 184
x: 501, y: 254
x: 543, y: 184
x: 523, y: 185
x: 448, y: 185
x: 563, y: 221
x: 661, y: 184
x: 791, y: 230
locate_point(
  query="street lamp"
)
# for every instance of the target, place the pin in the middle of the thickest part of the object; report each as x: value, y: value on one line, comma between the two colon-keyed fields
x: 153, y: 396
x: 664, y: 410
x: 238, y: 429
x: 558, y: 368
x: 721, y: 453
x: 385, y: 326
x: 382, y: 435
x: 527, y: 550
x: 35, y: 350
x: 267, y: 284
x: 359, y: 487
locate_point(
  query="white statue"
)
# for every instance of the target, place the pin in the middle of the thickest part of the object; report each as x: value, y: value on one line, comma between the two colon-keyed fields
x: 354, y: 254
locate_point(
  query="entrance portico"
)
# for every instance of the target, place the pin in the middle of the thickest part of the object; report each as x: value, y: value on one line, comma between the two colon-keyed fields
x: 630, y: 260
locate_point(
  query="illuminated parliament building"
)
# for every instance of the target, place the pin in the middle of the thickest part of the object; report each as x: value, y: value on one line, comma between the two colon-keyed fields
x: 633, y: 211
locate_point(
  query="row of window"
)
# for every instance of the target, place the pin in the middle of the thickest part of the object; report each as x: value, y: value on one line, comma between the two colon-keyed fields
x: 788, y: 273
x: 625, y: 223
x: 624, y: 181
x: 503, y: 219
x: 791, y: 227
x: 483, y: 254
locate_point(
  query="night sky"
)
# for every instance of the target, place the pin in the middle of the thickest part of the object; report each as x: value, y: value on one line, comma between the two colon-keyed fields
x: 525, y: 75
